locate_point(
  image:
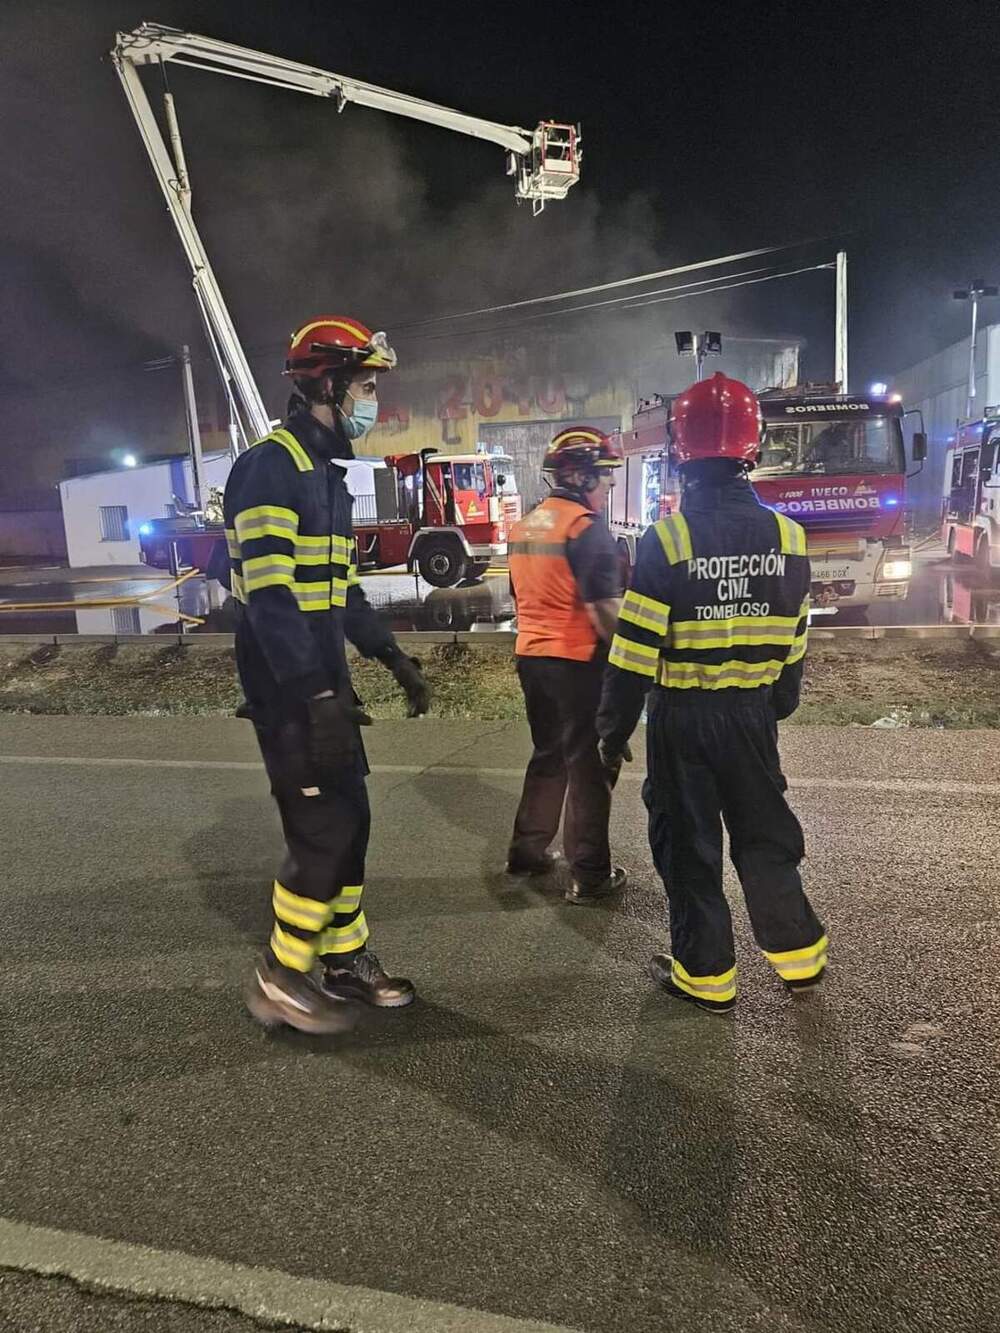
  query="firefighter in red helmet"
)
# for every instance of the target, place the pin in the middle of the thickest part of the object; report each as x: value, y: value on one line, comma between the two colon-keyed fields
x: 565, y: 576
x: 714, y: 628
x: 294, y: 579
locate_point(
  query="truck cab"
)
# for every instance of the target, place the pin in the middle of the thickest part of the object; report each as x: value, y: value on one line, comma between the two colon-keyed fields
x: 970, y: 514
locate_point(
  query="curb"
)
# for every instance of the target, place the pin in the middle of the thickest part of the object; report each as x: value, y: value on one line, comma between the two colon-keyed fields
x: 417, y: 639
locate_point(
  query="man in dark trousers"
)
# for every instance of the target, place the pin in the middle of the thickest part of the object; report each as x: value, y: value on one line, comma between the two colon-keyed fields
x: 565, y: 576
x: 294, y: 579
x: 714, y: 628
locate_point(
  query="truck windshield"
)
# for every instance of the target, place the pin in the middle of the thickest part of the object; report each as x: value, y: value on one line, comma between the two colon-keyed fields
x: 832, y: 447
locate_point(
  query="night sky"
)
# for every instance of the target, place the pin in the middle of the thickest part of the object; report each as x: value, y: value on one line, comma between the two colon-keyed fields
x: 707, y: 129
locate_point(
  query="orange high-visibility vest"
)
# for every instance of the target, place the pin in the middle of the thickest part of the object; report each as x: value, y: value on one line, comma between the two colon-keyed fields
x: 552, y: 620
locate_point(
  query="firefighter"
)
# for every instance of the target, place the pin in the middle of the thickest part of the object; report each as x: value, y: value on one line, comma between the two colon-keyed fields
x: 294, y: 579
x: 565, y: 577
x: 714, y: 627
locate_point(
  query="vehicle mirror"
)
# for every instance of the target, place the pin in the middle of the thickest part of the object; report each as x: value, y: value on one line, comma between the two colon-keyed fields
x: 919, y: 446
x: 501, y: 481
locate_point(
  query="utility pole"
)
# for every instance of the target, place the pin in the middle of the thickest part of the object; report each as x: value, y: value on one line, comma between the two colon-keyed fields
x: 975, y: 291
x: 194, y: 434
x: 840, y: 348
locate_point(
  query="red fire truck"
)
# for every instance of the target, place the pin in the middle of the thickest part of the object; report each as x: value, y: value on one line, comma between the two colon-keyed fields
x: 970, y: 516
x: 834, y: 462
x: 444, y: 516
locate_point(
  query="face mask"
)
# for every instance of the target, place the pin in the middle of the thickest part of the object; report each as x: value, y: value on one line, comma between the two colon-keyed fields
x: 360, y: 421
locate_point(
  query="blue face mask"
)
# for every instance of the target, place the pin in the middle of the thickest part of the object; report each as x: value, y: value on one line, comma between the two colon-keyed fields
x: 360, y: 421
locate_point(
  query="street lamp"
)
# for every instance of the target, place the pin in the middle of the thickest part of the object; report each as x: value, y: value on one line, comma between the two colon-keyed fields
x: 699, y: 346
x: 975, y: 291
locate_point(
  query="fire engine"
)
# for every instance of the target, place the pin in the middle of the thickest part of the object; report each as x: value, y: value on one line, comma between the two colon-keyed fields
x: 444, y: 516
x: 834, y: 462
x: 970, y: 515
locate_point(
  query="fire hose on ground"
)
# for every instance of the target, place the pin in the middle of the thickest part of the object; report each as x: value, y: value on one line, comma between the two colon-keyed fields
x: 103, y: 603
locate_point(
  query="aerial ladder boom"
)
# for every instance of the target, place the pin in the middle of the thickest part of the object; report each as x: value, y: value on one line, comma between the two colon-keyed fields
x: 545, y: 163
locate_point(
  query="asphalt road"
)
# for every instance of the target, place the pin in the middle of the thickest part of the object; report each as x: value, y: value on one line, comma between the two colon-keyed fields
x: 543, y: 1140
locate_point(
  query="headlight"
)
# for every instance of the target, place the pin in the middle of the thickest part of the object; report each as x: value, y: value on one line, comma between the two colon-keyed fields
x: 897, y: 569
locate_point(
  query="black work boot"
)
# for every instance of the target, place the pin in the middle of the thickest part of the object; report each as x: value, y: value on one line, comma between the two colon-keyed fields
x: 279, y: 995
x: 364, y: 978
x: 805, y: 985
x: 544, y: 865
x: 590, y: 893
x: 661, y: 970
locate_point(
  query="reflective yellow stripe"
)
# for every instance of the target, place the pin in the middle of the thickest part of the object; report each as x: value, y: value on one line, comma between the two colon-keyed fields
x: 312, y: 596
x: 299, y: 456
x: 798, y: 651
x: 294, y: 910
x: 793, y: 536
x: 800, y: 964
x: 342, y: 548
x: 266, y: 521
x: 268, y: 571
x: 232, y: 545
x: 320, y: 596
x: 742, y: 631
x: 352, y: 576
x: 236, y: 584
x: 645, y: 612
x: 632, y: 656
x: 721, y: 676
x: 292, y: 952
x: 718, y: 988
x: 347, y: 900
x: 675, y: 538
x: 344, y: 939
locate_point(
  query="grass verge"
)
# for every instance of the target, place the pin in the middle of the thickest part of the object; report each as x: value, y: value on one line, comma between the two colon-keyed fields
x: 951, y: 683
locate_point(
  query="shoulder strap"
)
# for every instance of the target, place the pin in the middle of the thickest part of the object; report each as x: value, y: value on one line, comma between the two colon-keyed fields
x: 792, y: 535
x: 288, y: 441
x: 675, y: 538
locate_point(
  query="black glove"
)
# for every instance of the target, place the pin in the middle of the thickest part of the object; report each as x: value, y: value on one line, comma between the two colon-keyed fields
x: 410, y: 678
x: 613, y: 754
x: 333, y: 732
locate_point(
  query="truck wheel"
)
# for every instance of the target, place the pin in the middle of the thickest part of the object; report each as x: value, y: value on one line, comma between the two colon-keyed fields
x: 442, y: 564
x: 474, y: 570
x: 982, y: 558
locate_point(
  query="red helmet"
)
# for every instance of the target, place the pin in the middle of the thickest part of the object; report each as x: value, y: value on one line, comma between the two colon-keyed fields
x: 336, y: 342
x: 716, y: 418
x: 583, y: 447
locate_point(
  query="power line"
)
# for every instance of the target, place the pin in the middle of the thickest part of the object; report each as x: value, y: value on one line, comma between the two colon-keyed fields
x: 610, y: 286
x: 636, y: 305
x: 789, y: 273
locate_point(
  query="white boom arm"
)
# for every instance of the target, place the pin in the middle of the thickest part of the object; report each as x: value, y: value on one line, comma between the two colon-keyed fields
x: 545, y: 162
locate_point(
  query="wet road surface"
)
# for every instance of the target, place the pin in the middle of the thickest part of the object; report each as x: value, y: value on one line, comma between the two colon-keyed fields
x: 940, y: 593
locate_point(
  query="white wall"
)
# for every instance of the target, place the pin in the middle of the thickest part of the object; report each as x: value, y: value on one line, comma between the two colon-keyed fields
x: 145, y: 492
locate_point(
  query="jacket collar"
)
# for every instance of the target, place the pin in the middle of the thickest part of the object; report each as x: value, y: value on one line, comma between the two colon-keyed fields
x: 568, y: 493
x: 317, y: 439
x: 707, y: 499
